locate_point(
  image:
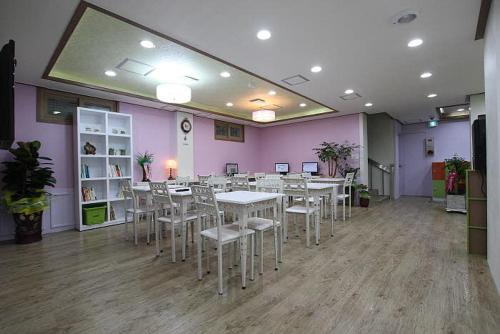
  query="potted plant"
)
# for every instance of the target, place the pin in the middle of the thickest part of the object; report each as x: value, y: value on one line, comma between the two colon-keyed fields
x: 145, y: 160
x: 364, y: 195
x: 334, y: 154
x: 23, y: 191
x: 456, y: 167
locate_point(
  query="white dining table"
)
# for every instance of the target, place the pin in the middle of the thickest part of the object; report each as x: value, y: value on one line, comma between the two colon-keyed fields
x: 244, y: 204
x: 328, y: 180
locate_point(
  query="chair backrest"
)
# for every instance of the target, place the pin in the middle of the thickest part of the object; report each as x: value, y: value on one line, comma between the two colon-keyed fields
x: 269, y: 185
x: 160, y: 193
x: 203, y: 179
x: 128, y: 192
x: 273, y: 176
x: 218, y: 182
x: 240, y: 183
x: 142, y: 183
x: 183, y: 180
x: 295, y: 186
x: 206, y: 203
x: 241, y: 175
x: 306, y: 174
x: 259, y: 176
x: 348, y: 179
x: 294, y: 175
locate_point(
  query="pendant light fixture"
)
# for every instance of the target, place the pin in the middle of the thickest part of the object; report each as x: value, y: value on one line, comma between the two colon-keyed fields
x: 264, y: 115
x: 173, y: 93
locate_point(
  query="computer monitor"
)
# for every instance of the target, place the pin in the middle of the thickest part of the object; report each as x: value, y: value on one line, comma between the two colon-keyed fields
x: 281, y: 167
x: 310, y: 167
x: 231, y: 168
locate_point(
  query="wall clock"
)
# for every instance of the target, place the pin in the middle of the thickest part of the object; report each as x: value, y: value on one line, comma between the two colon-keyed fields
x: 186, y: 126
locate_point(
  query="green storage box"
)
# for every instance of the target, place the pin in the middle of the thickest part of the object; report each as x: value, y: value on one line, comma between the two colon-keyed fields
x: 94, y: 214
x: 438, y: 189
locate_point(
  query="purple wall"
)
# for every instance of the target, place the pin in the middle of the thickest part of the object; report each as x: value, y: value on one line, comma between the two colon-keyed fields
x: 211, y: 156
x: 415, y: 173
x: 154, y: 131
x: 293, y: 143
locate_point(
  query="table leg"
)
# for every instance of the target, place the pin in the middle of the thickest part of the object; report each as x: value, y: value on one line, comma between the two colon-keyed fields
x: 157, y: 234
x: 183, y: 234
x: 334, y: 199
x: 285, y: 217
x: 317, y: 217
x: 275, y: 237
x: 243, y: 246
x: 198, y: 246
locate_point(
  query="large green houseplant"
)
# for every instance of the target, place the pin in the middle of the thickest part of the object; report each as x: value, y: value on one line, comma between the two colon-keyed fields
x: 457, y: 168
x: 334, y: 154
x: 24, y: 181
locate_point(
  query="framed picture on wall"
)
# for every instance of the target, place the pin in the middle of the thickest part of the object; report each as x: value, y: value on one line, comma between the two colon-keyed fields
x: 229, y: 131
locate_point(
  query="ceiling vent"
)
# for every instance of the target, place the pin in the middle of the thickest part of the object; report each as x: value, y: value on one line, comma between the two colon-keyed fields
x: 295, y: 80
x: 135, y: 66
x: 259, y: 101
x: 457, y: 111
x: 405, y: 16
x: 272, y: 107
x: 350, y: 97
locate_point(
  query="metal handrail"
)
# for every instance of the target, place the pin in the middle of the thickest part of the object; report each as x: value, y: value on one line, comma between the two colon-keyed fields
x: 384, y: 169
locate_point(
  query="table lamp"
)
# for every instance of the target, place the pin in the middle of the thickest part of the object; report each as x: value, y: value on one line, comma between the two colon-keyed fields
x: 171, y: 164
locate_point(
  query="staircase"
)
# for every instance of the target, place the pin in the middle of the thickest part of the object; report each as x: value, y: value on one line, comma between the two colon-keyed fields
x: 381, y: 176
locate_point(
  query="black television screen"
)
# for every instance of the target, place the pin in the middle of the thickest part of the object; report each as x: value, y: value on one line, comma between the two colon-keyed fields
x: 281, y: 167
x: 7, y: 66
x: 310, y: 167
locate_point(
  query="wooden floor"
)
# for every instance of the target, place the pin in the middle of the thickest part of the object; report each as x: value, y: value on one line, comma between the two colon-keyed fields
x: 398, y: 267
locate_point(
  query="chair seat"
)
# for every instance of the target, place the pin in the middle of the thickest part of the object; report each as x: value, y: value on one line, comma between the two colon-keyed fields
x: 301, y: 209
x: 342, y: 196
x: 229, y: 232
x: 141, y: 210
x: 261, y: 224
x: 188, y: 216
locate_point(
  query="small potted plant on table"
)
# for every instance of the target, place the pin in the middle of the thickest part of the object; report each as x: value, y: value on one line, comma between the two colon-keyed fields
x: 145, y: 160
x: 23, y: 191
x: 364, y: 195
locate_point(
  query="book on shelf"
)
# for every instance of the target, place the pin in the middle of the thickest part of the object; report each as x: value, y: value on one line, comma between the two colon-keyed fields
x: 85, y: 172
x: 115, y: 171
x: 88, y: 194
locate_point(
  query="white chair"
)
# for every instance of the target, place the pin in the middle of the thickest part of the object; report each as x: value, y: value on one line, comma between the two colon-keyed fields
x: 273, y: 176
x: 260, y: 225
x: 294, y: 175
x: 241, y: 175
x: 182, y: 181
x: 137, y: 210
x: 307, y: 175
x: 166, y: 214
x: 206, y: 204
x: 259, y: 176
x: 342, y: 197
x: 219, y: 183
x: 297, y: 189
x: 240, y: 183
x: 203, y: 179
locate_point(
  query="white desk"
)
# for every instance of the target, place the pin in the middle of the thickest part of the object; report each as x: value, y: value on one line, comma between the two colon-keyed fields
x: 244, y: 203
x: 327, y: 180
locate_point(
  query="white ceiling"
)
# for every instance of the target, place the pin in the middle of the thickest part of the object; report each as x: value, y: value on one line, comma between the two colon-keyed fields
x: 353, y: 40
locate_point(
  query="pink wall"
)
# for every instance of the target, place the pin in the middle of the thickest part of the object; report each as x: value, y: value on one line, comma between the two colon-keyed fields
x: 154, y: 131
x: 293, y: 143
x: 211, y: 156
x: 415, y: 178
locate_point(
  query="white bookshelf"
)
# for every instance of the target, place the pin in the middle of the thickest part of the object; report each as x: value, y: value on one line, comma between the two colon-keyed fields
x: 111, y: 134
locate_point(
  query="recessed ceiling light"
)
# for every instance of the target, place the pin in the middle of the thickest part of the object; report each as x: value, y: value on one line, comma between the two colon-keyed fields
x: 55, y: 112
x: 225, y: 74
x: 302, y: 105
x: 264, y: 34
x: 316, y: 69
x: 426, y: 75
x: 460, y: 109
x: 430, y: 96
x: 349, y: 91
x: 229, y: 104
x: 441, y: 110
x: 110, y: 73
x: 415, y: 42
x: 368, y: 104
x: 271, y: 92
x: 147, y: 44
